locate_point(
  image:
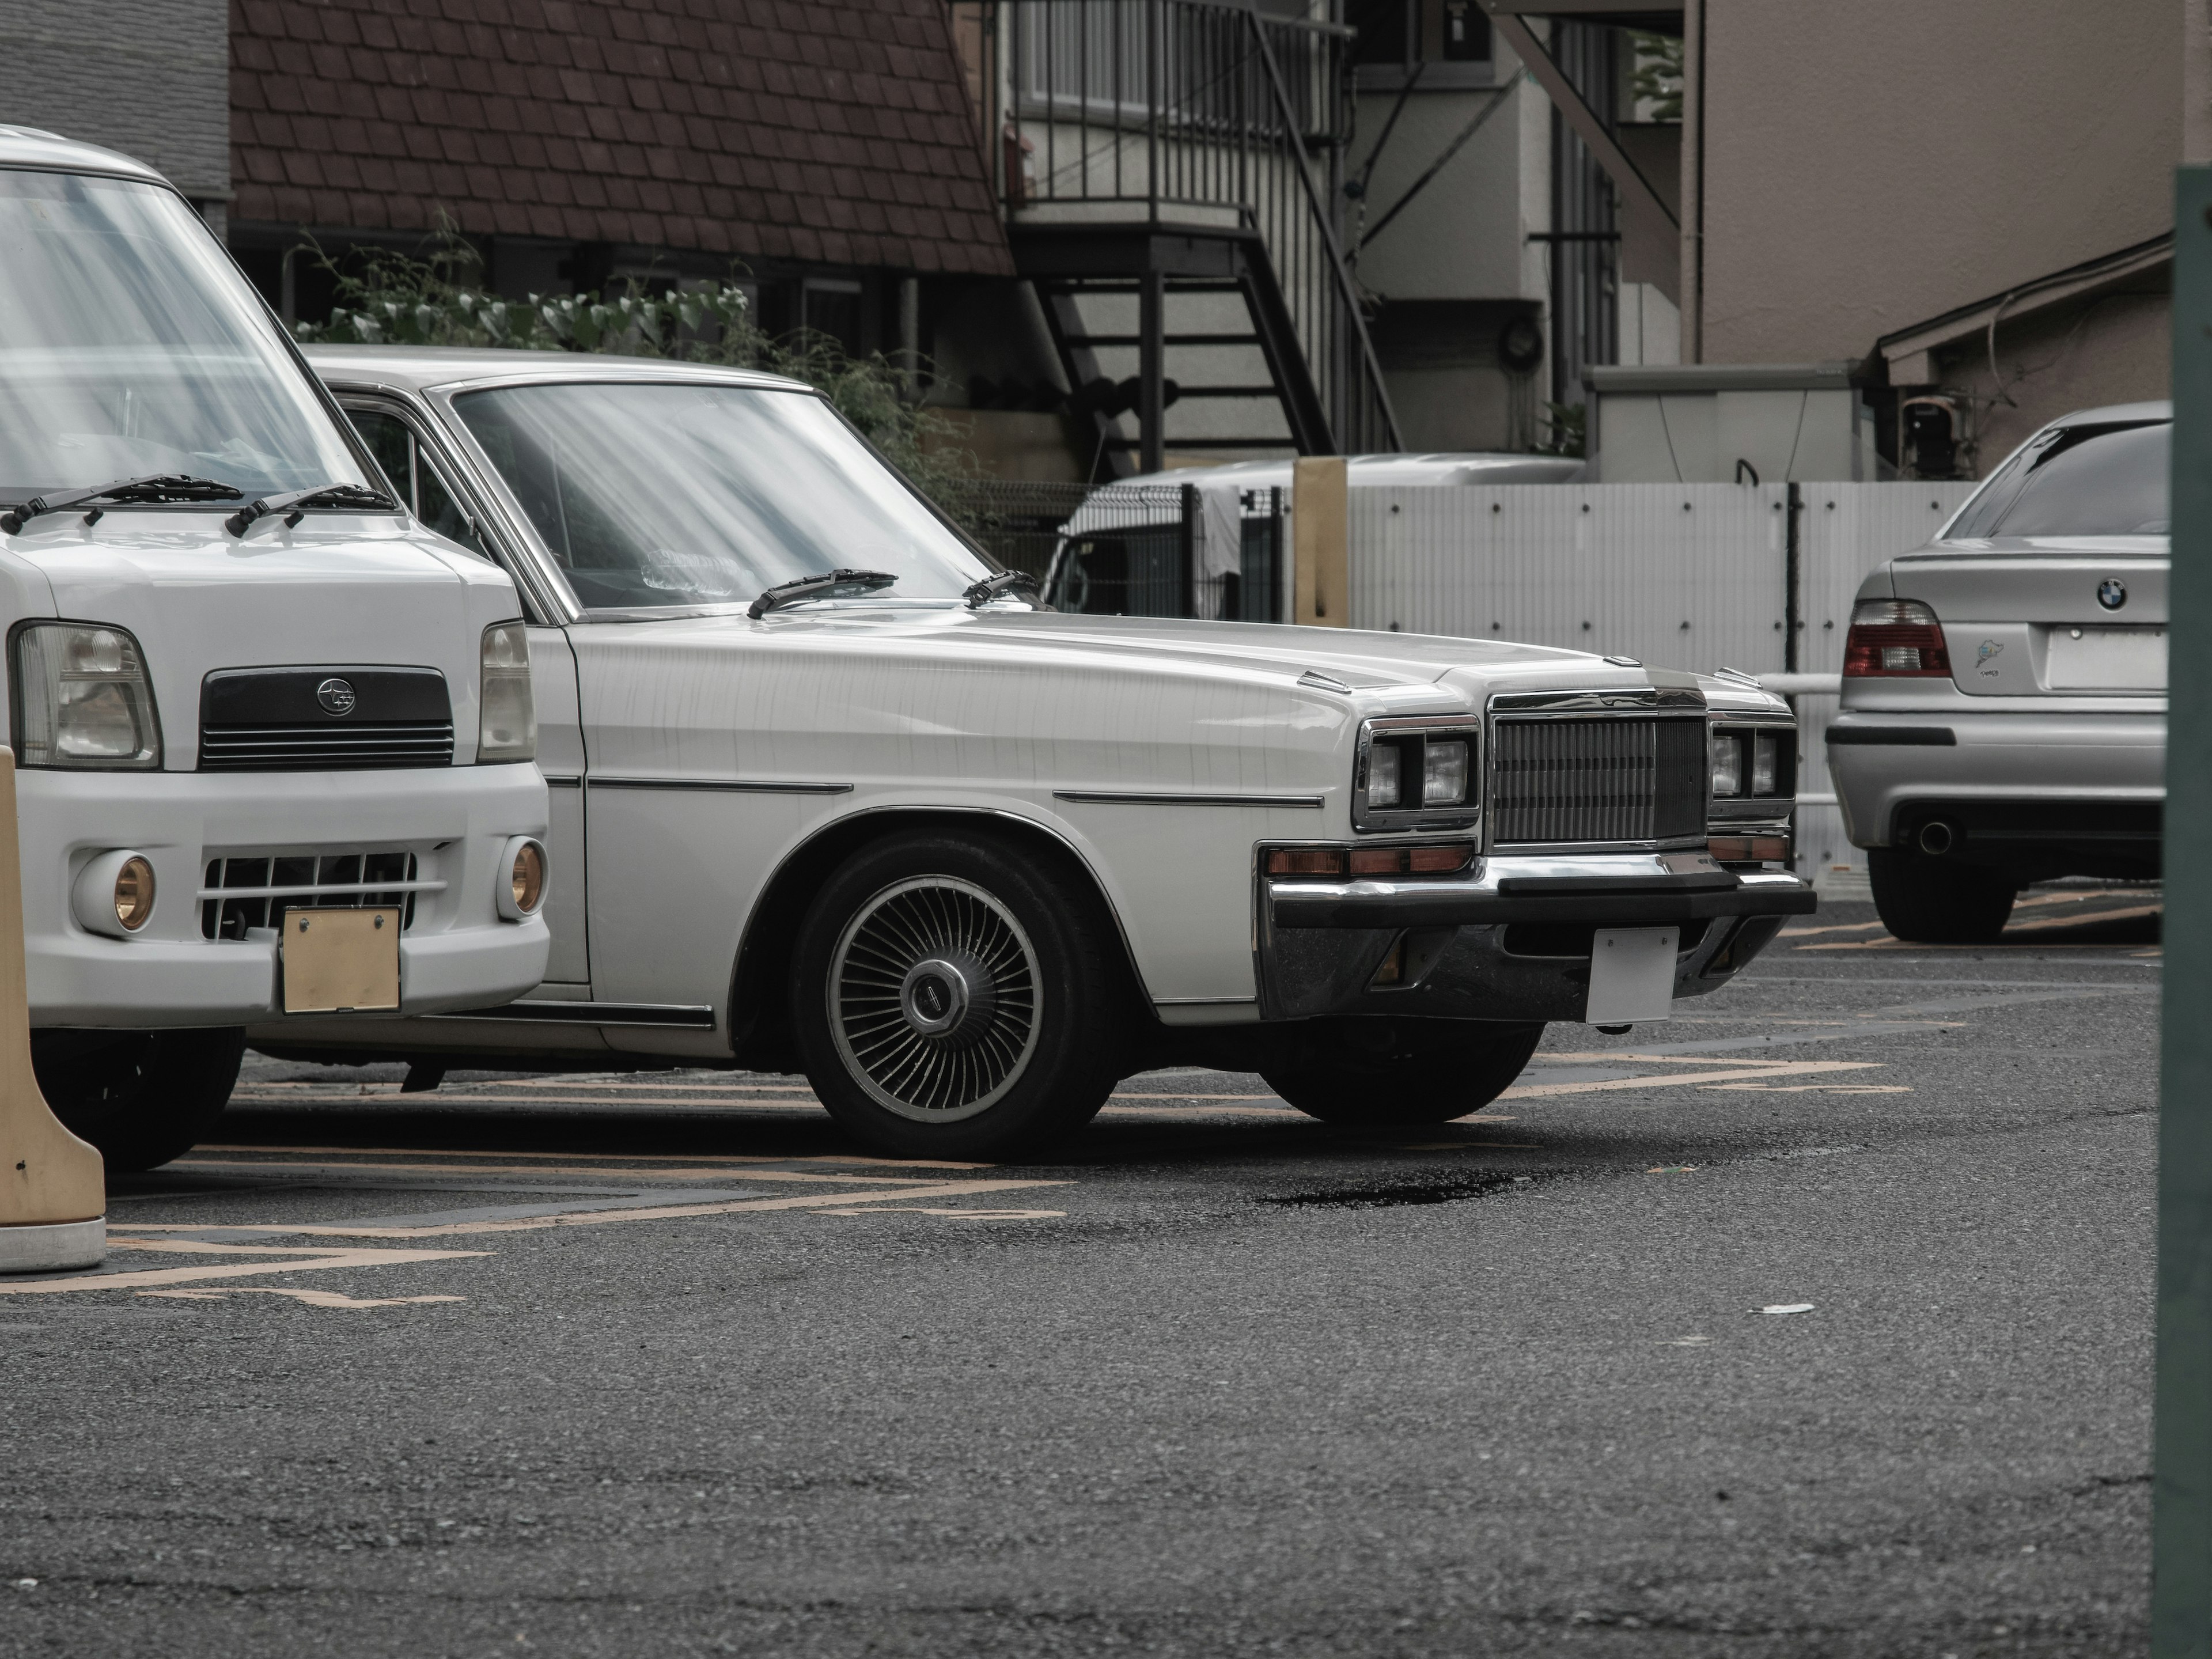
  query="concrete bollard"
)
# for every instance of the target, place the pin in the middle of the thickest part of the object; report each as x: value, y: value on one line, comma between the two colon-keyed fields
x: 53, y: 1186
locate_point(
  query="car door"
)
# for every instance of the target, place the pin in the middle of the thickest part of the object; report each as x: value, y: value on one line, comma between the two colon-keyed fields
x: 420, y: 472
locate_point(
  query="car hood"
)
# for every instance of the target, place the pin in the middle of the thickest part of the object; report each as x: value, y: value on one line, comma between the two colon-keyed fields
x: 1394, y: 672
x: 340, y: 590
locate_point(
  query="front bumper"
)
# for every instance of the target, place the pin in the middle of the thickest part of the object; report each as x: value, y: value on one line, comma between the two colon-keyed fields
x: 456, y: 953
x: 1887, y: 766
x: 1508, y: 942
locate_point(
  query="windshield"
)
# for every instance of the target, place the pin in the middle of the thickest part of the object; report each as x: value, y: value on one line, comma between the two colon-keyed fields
x: 659, y: 495
x: 130, y: 345
x: 2077, y: 481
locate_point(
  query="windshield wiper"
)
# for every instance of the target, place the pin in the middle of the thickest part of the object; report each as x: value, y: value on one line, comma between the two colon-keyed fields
x: 291, y: 503
x: 153, y: 487
x: 808, y: 587
x: 1000, y: 584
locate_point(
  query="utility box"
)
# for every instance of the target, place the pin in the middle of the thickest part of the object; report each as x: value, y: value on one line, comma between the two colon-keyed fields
x: 1729, y: 422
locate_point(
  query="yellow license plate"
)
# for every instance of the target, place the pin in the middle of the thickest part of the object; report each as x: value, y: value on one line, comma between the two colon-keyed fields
x: 336, y: 961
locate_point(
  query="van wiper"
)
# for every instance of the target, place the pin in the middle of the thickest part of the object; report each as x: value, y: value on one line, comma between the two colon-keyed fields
x: 999, y: 584
x: 291, y: 504
x: 153, y: 487
x: 829, y: 585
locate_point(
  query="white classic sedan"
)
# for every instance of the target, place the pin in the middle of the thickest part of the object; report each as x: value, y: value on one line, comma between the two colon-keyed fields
x: 832, y: 794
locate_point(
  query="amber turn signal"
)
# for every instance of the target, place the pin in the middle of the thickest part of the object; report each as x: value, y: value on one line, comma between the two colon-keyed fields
x: 1749, y: 850
x: 1370, y: 861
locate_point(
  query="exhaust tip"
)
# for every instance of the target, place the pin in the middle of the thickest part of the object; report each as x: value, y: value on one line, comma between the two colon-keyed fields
x: 1937, y: 838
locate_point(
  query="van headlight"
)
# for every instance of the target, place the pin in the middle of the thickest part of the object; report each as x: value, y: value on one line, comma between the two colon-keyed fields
x: 507, y: 728
x: 83, y: 699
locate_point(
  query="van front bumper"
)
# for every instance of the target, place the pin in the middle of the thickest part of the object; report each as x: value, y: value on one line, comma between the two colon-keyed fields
x: 455, y: 954
x: 1509, y: 942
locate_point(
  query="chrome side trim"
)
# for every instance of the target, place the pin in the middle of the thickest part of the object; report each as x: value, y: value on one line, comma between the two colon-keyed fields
x: 727, y: 786
x: 680, y: 1015
x: 1145, y: 798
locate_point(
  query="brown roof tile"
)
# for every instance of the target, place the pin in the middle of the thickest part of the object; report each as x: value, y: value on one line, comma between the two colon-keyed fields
x: 823, y: 130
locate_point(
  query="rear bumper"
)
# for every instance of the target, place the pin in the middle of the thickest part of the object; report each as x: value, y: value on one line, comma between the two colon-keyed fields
x: 1511, y: 942
x: 457, y: 953
x: 2048, y: 780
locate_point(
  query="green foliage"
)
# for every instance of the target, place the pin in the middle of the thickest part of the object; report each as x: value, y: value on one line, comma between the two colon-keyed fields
x: 1658, y: 77
x: 394, y: 299
x: 1565, y: 429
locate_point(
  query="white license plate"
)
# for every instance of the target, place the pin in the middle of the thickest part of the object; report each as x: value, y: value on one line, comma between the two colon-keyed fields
x: 2106, y: 659
x: 1632, y: 974
x: 338, y: 960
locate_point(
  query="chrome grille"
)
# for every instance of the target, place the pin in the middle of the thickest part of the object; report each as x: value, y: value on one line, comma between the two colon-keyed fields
x: 266, y: 886
x: 325, y: 748
x: 1577, y: 782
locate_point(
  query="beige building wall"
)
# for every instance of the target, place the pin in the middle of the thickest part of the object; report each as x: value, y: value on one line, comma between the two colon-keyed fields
x: 1869, y: 165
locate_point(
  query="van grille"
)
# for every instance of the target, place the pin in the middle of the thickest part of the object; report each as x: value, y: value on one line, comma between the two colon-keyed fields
x: 325, y: 748
x: 330, y: 881
x: 1578, y: 781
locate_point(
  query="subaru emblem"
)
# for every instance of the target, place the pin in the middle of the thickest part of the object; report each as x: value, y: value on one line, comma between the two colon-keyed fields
x: 336, y: 696
x: 2111, y: 593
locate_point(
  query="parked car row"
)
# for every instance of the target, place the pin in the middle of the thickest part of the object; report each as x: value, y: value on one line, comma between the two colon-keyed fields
x: 651, y: 718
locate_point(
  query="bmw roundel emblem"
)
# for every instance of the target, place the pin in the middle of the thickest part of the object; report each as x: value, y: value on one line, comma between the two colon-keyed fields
x: 336, y: 696
x: 2111, y: 593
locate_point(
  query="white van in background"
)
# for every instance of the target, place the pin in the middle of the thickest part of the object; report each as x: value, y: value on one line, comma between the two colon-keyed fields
x: 274, y: 739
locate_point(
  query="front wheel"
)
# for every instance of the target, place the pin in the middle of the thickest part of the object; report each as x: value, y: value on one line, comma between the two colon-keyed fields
x: 1392, y: 1073
x: 956, y: 997
x: 1936, y: 901
x: 142, y: 1097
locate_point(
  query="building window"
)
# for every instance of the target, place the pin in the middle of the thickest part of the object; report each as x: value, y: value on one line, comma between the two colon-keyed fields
x: 1448, y: 41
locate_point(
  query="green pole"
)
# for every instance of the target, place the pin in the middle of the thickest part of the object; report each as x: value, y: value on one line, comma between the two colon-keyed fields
x: 2181, y: 1458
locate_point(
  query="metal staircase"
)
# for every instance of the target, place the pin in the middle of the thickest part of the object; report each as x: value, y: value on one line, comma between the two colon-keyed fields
x: 1158, y: 162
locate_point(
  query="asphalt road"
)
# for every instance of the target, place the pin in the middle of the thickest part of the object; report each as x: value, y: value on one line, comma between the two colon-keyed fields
x: 658, y: 1365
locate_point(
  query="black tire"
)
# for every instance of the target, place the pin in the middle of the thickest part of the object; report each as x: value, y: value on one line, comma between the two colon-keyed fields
x: 1938, y: 901
x: 1391, y: 1072
x: 1014, y: 1048
x: 142, y: 1097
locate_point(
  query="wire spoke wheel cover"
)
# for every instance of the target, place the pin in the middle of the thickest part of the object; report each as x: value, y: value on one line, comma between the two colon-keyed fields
x: 934, y: 999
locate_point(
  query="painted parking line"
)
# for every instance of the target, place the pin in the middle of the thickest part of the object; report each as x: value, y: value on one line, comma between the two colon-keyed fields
x: 704, y: 1160
x: 311, y: 1261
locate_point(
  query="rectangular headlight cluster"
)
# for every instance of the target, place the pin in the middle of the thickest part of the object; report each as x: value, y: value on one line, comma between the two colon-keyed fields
x: 1749, y: 762
x: 1417, y: 773
x: 507, y: 728
x: 83, y: 699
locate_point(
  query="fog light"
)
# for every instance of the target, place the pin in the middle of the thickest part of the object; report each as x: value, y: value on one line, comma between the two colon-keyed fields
x: 522, y: 879
x: 114, y: 894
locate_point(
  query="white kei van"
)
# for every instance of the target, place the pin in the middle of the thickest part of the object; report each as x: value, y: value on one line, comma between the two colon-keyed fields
x: 274, y: 739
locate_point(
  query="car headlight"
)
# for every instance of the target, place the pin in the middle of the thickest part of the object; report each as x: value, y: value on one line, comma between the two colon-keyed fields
x: 1417, y: 772
x: 506, y: 725
x: 1728, y: 764
x: 83, y: 699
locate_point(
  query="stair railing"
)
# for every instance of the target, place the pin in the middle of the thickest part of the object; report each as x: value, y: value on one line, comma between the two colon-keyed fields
x: 1196, y: 109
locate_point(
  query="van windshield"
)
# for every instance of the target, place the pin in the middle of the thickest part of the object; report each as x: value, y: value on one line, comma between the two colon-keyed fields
x: 131, y: 345
x: 653, y: 495
x: 2101, y: 480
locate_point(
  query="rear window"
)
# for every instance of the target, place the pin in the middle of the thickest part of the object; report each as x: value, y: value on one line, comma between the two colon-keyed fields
x: 2107, y: 480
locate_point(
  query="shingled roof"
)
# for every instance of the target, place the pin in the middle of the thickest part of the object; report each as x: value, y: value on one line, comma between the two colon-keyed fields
x: 830, y: 130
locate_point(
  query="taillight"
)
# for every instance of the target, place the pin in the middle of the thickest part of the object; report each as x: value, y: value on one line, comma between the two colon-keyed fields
x: 1895, y: 637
